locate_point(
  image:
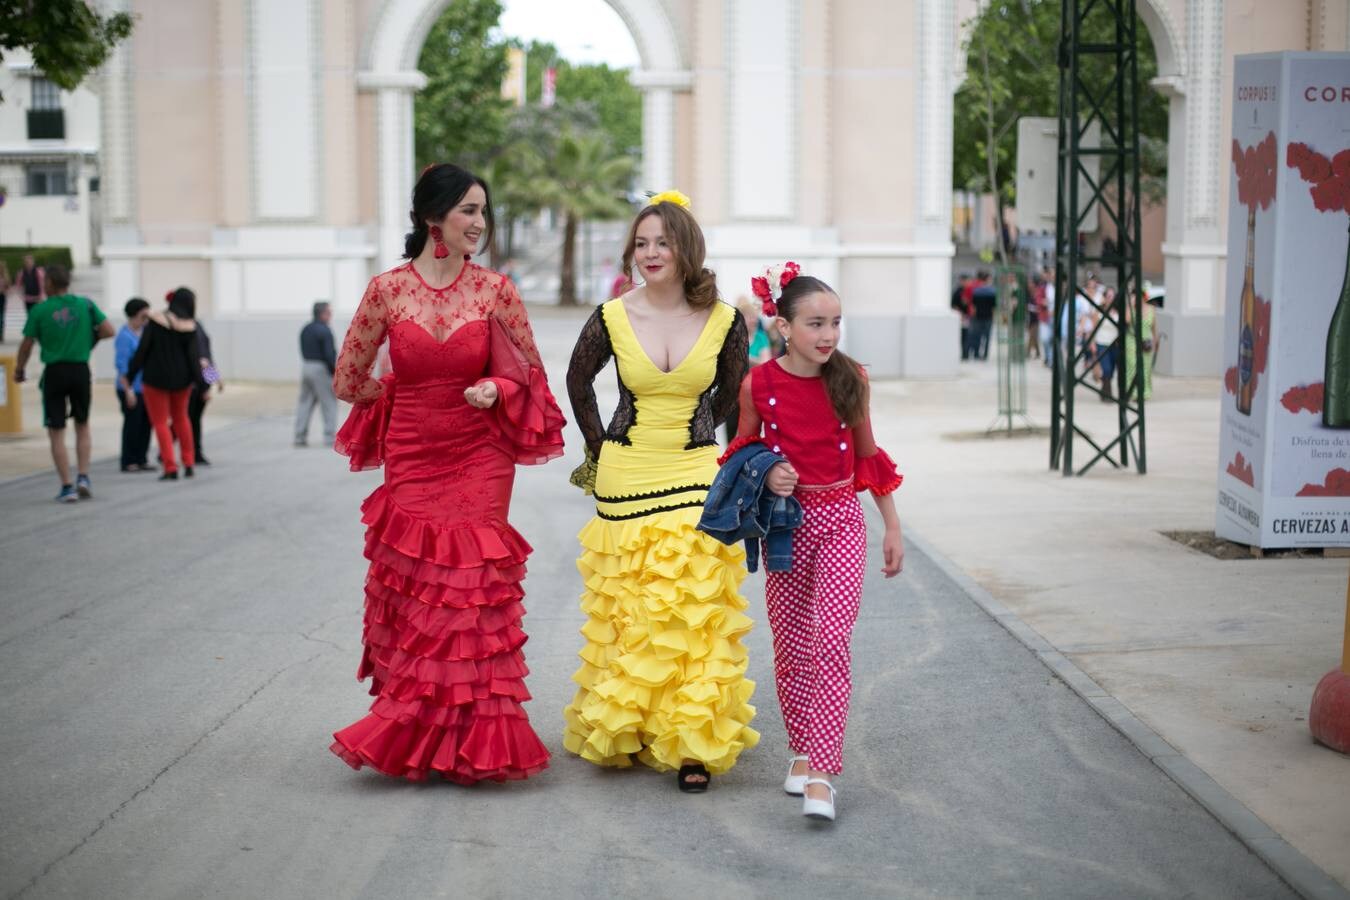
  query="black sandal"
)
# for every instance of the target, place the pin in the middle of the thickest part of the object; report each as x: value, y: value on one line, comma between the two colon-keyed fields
x: 687, y: 783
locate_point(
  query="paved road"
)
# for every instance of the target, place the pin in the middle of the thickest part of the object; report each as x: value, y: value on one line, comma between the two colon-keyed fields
x: 177, y: 655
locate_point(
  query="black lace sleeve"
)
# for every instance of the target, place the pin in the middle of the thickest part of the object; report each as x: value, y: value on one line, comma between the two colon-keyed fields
x: 589, y: 356
x: 732, y: 364
x: 717, y: 403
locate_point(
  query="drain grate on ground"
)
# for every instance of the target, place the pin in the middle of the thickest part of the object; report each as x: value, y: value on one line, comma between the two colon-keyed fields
x: 1209, y: 543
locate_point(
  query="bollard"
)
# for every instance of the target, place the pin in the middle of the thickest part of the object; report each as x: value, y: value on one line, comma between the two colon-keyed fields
x: 11, y: 401
x: 1329, y: 719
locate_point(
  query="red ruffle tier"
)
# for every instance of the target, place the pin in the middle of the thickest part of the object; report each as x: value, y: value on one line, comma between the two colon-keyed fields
x: 443, y: 649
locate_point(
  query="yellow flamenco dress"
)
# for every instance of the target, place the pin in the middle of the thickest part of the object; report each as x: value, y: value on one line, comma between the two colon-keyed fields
x: 662, y: 673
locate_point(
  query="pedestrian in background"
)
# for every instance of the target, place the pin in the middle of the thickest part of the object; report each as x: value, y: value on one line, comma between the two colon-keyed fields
x: 811, y: 407
x: 983, y: 299
x: 622, y: 283
x: 65, y: 327
x: 1035, y: 312
x: 1047, y: 324
x: 961, y: 303
x: 761, y: 350
x: 32, y: 280
x: 318, y: 359
x: 168, y: 355
x: 208, y: 378
x: 135, y: 420
x: 5, y: 284
x: 1149, y: 326
x: 1104, y: 358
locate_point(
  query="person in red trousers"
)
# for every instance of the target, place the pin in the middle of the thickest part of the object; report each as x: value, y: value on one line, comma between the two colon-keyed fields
x: 167, y: 355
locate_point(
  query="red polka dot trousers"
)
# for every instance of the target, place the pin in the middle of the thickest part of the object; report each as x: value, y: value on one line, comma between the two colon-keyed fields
x: 812, y: 610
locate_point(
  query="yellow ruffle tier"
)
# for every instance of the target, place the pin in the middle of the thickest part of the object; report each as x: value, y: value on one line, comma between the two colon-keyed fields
x: 663, y: 668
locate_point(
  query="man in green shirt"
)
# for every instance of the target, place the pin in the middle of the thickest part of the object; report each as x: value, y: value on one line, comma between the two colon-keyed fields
x: 65, y: 326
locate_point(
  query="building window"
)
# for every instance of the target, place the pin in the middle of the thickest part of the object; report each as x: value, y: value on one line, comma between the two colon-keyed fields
x: 45, y: 94
x: 48, y: 179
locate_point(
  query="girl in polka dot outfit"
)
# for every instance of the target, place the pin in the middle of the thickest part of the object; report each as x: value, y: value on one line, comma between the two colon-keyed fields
x: 810, y: 406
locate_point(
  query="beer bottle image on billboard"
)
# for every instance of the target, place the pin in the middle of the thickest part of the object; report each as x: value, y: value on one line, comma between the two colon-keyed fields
x: 1255, y: 167
x: 1336, y: 383
x: 1247, y: 325
x: 1329, y: 180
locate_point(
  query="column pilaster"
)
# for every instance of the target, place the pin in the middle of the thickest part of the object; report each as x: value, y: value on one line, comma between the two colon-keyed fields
x: 1195, y: 253
x: 394, y: 93
x: 658, y: 123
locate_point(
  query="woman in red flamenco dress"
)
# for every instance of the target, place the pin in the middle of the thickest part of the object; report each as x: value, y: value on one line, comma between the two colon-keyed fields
x: 467, y: 400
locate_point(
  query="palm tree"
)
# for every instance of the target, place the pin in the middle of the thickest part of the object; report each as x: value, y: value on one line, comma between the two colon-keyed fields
x: 586, y: 180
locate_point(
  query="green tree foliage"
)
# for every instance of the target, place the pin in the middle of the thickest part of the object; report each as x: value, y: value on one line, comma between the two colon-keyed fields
x: 460, y: 115
x: 1012, y: 71
x: 68, y: 38
x: 617, y: 104
x: 577, y: 156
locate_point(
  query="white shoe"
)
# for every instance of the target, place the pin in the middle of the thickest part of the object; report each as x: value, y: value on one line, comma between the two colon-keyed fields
x: 795, y: 784
x: 819, y: 809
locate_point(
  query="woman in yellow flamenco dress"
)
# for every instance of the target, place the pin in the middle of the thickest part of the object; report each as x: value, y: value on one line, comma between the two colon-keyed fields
x: 662, y: 676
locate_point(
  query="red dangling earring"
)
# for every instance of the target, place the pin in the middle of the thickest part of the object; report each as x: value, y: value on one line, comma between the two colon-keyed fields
x: 438, y: 240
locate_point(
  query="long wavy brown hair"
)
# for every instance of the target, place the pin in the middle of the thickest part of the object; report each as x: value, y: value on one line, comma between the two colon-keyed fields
x: 686, y: 239
x: 844, y: 382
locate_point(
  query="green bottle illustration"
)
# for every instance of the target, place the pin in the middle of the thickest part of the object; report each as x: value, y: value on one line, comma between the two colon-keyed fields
x: 1336, y: 381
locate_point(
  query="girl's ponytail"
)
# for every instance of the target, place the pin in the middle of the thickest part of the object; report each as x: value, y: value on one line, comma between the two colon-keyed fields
x: 846, y: 387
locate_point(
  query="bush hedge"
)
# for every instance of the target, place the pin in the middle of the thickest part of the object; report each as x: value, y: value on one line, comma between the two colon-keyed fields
x: 13, y: 255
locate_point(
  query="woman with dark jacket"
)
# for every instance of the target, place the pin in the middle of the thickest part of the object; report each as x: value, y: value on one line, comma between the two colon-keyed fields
x: 167, y: 356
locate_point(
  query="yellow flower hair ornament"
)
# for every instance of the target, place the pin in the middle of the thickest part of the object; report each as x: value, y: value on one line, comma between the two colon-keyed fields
x: 675, y: 197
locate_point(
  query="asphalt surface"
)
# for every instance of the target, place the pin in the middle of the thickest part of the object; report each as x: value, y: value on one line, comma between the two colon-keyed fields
x: 176, y: 657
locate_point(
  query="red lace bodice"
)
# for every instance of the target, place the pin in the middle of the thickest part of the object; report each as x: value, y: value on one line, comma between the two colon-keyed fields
x: 399, y: 302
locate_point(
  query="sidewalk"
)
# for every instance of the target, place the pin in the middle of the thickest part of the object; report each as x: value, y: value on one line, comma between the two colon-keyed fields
x: 1219, y: 657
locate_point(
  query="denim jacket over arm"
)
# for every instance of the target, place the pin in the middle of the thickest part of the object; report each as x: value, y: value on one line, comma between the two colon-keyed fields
x: 741, y: 507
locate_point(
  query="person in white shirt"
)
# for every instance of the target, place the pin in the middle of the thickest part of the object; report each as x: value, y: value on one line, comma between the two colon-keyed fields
x: 1104, y: 362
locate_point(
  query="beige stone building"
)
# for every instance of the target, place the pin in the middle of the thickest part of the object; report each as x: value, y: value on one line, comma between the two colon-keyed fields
x: 262, y: 152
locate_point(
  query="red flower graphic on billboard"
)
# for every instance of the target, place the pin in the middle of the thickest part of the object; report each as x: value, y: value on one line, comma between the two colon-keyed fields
x: 1240, y: 469
x: 1256, y: 172
x: 1303, y: 398
x: 1337, y: 484
x: 1260, y: 348
x: 1329, y: 178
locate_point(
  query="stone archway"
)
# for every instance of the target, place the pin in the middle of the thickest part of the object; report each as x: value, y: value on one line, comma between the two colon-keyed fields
x: 389, y: 69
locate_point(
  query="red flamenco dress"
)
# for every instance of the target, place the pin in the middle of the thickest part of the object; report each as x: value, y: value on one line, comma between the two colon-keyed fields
x: 443, y: 595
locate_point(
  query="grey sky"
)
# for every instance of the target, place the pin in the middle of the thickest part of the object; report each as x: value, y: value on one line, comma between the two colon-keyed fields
x: 584, y: 31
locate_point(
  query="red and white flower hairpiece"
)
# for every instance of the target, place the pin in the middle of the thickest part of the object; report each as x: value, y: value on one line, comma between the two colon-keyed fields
x: 769, y: 286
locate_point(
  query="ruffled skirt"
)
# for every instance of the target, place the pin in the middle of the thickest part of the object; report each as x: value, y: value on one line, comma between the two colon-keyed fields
x: 443, y: 651
x: 662, y: 671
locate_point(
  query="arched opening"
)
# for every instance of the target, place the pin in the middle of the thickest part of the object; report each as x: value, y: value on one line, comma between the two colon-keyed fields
x: 389, y: 60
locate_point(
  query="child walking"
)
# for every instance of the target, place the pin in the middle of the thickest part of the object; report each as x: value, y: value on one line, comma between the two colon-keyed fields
x: 811, y: 407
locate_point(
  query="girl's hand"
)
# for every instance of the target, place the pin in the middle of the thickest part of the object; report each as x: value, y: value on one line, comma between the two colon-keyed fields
x: 893, y: 550
x: 782, y: 479
x: 481, y: 395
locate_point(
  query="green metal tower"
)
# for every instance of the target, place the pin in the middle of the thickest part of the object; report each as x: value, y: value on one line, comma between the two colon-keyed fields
x: 1098, y: 96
